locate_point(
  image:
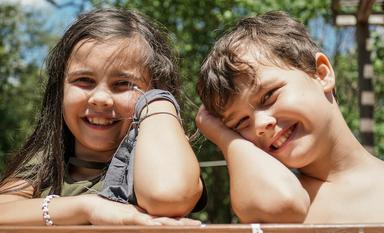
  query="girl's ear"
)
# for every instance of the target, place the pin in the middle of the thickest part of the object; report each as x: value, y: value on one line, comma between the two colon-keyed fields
x: 325, y: 73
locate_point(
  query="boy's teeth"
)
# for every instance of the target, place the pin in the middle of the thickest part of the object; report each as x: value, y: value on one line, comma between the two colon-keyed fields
x: 282, y: 139
x: 100, y: 121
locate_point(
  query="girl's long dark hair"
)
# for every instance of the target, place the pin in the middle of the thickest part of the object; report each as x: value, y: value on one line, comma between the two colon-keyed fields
x: 41, y: 159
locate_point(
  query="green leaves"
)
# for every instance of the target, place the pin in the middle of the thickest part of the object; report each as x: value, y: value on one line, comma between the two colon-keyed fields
x: 19, y: 79
x: 194, y: 26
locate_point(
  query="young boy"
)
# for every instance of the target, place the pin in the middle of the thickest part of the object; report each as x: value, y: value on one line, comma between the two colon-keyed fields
x: 268, y: 104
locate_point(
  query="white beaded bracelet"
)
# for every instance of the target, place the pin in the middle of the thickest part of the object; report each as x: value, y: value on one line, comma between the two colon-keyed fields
x: 47, y: 219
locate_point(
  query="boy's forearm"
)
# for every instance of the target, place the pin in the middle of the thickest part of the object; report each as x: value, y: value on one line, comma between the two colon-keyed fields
x: 166, y: 171
x: 262, y: 188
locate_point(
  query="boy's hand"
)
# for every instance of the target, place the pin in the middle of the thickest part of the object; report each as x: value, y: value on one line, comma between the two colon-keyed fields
x: 211, y: 127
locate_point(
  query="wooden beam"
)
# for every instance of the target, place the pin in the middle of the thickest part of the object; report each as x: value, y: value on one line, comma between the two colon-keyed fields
x: 365, y: 9
x: 209, y: 228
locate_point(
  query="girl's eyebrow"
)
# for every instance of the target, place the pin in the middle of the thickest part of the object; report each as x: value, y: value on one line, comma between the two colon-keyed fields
x: 81, y: 71
x: 127, y: 75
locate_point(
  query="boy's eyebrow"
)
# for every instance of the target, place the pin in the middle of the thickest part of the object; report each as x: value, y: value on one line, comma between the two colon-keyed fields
x: 255, y: 91
x: 228, y: 119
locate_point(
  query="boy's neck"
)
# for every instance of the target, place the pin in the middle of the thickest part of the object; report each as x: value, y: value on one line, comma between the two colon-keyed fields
x: 341, y: 154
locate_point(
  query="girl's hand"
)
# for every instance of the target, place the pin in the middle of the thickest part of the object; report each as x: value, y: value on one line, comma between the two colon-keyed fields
x: 177, y: 221
x: 101, y: 211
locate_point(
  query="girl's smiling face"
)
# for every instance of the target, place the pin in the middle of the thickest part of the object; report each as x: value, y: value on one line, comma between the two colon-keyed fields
x: 99, y: 98
x: 287, y: 114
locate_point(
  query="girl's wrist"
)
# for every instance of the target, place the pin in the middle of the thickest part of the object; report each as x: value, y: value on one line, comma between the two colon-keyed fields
x: 158, y: 106
x: 87, y: 204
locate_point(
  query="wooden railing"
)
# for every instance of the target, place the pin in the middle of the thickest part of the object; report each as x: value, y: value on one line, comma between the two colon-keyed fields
x: 210, y: 228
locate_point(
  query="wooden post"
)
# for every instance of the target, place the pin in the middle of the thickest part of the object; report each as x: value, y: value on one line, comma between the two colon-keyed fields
x: 365, y: 74
x: 361, y: 20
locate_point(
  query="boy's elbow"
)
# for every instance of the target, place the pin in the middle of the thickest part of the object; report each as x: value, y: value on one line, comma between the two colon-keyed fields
x: 285, y: 209
x: 174, y: 201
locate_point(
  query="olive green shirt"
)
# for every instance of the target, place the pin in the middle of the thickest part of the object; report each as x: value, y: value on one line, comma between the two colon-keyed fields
x: 73, y: 188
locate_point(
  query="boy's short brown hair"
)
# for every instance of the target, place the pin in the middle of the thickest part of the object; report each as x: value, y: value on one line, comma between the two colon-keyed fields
x: 275, y: 37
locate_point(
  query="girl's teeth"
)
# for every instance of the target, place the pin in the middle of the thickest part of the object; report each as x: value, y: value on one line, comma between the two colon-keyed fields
x: 100, y: 121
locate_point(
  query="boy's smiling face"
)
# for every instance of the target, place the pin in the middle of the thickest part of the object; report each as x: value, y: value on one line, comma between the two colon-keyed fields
x: 287, y: 114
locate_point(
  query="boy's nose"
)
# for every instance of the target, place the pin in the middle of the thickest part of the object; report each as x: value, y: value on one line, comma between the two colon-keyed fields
x: 264, y: 124
x: 101, y: 98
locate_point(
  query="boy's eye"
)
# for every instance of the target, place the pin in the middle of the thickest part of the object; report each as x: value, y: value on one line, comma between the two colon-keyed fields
x: 241, y: 124
x: 266, y: 99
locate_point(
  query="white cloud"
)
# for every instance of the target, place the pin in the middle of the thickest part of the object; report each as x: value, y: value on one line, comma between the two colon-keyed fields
x: 37, y: 4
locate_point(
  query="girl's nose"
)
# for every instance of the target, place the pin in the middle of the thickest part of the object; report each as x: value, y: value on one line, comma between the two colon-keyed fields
x: 101, y: 98
x: 264, y: 123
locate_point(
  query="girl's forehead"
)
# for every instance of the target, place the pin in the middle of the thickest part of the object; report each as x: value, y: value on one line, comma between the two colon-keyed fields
x: 116, y: 52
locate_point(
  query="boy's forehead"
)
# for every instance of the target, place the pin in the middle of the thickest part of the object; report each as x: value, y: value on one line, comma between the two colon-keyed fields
x: 258, y: 56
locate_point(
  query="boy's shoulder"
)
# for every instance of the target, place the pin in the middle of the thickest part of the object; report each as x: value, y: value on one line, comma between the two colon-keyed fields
x: 347, y: 197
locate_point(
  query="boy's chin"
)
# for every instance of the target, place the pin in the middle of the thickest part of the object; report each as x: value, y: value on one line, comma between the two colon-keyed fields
x: 294, y: 162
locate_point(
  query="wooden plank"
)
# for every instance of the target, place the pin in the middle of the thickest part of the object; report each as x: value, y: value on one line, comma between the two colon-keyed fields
x: 210, y: 228
x: 323, y: 228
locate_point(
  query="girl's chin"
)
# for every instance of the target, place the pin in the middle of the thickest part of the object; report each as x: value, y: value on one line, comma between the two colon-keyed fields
x: 102, y: 146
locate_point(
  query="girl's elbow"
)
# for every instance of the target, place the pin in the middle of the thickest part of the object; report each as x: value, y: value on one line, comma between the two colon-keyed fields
x: 170, y: 202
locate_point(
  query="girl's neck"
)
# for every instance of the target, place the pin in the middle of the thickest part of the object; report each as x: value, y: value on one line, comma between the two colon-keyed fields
x: 78, y: 172
x: 81, y: 173
x: 91, y: 155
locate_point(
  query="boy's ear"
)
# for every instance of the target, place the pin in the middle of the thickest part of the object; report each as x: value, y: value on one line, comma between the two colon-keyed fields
x: 325, y: 73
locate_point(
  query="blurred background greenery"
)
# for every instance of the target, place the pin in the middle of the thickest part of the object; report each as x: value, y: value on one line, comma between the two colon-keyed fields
x: 194, y: 26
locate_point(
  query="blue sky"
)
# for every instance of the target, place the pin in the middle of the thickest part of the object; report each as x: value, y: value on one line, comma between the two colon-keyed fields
x: 57, y: 19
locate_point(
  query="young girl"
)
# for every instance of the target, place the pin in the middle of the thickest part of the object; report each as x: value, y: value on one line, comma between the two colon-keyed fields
x: 104, y: 62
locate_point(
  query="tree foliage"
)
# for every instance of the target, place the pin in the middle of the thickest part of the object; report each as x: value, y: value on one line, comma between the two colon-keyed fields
x: 194, y: 26
x: 19, y: 77
x: 378, y: 83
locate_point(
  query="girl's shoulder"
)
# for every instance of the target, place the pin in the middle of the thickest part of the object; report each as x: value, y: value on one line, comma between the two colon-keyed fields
x: 73, y: 187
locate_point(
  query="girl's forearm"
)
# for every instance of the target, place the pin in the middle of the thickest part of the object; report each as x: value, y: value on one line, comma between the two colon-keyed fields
x: 62, y: 210
x: 166, y: 171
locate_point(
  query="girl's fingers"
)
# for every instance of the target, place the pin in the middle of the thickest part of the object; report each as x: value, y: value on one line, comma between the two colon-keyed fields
x: 167, y: 221
x: 141, y: 219
x: 177, y: 221
x: 189, y: 221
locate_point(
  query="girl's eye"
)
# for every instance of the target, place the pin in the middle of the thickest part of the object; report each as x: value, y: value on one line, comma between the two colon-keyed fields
x: 84, y: 82
x: 241, y: 124
x: 123, y: 85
